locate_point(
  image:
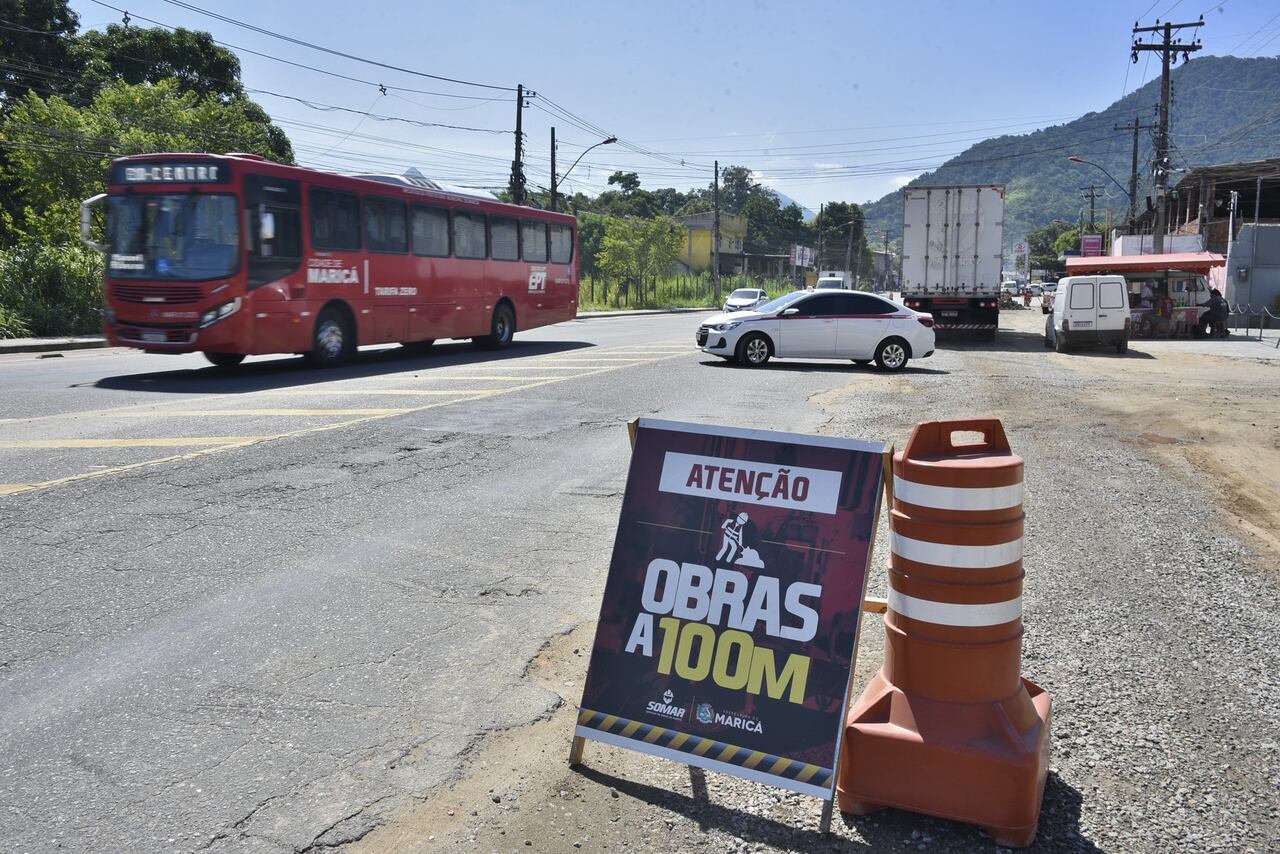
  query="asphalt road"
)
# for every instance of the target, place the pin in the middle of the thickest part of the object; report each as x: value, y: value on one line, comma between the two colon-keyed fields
x: 256, y: 610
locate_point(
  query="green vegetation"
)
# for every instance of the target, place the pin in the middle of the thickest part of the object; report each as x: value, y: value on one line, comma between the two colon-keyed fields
x: 599, y: 293
x: 118, y: 91
x: 1217, y: 105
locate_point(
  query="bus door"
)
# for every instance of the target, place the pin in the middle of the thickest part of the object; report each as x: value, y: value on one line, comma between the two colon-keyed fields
x: 276, y: 290
x: 562, y: 284
x: 542, y: 295
x: 432, y: 314
x: 390, y: 271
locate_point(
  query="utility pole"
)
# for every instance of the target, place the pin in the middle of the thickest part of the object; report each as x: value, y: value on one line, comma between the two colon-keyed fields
x: 517, y: 165
x: 553, y: 170
x: 715, y: 235
x: 1091, y: 193
x: 848, y: 252
x: 1169, y: 49
x: 885, y: 282
x: 1133, y: 170
x: 821, y: 226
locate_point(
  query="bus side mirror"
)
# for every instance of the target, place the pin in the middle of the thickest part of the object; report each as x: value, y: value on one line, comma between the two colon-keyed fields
x: 266, y: 226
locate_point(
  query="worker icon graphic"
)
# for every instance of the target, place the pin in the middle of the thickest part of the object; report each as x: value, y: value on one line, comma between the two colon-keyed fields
x: 731, y: 544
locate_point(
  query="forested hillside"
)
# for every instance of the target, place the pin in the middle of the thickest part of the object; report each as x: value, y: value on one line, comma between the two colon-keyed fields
x: 1224, y: 110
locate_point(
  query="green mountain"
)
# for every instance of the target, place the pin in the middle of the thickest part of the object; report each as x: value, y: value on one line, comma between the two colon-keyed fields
x: 1224, y: 110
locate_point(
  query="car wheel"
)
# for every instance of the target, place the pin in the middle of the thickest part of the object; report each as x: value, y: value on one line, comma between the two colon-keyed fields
x: 753, y: 350
x: 501, y: 329
x: 891, y: 355
x: 225, y: 360
x: 332, y: 342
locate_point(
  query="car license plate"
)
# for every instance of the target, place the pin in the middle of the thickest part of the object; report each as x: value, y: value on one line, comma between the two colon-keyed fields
x: 1079, y: 323
x: 154, y: 337
x: 949, y: 313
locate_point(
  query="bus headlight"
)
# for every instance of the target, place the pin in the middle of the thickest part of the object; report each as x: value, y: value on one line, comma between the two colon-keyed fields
x: 221, y: 312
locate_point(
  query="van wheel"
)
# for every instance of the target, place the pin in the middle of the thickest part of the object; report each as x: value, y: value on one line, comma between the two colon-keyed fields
x: 332, y: 342
x: 1060, y: 342
x: 1048, y: 334
x: 891, y: 355
x: 501, y: 329
x: 1122, y: 346
x: 225, y: 360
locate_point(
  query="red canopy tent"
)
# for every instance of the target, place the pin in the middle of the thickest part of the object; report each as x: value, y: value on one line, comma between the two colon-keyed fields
x: 1186, y: 262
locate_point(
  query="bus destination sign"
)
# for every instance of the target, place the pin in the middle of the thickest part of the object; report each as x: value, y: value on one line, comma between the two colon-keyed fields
x: 169, y: 173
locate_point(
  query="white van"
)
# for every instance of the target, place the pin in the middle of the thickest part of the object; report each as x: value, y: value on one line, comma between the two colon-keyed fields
x: 1089, y: 310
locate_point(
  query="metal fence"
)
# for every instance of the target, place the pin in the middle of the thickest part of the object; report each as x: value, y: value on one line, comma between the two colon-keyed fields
x: 1247, y: 315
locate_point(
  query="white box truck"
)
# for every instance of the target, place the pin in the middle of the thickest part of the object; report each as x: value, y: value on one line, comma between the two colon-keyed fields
x: 952, y: 249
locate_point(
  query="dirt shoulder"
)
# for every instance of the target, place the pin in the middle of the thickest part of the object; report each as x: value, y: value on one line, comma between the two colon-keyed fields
x: 1180, y: 428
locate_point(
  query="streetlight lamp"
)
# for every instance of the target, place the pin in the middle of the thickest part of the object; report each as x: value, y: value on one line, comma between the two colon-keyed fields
x: 1074, y: 159
x: 554, y: 180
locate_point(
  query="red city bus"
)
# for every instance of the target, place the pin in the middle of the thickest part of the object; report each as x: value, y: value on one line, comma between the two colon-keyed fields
x: 236, y: 255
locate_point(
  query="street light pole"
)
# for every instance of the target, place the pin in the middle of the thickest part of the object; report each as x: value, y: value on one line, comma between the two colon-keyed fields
x: 555, y: 181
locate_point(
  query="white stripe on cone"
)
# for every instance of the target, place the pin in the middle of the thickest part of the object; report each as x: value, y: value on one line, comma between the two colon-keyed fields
x: 951, y: 614
x: 957, y: 498
x: 958, y: 557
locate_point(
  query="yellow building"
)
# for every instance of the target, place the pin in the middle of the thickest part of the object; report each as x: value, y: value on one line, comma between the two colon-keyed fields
x: 696, y: 255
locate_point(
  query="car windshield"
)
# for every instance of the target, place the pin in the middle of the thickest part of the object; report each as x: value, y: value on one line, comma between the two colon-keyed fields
x: 781, y: 302
x: 184, y: 236
x: 745, y: 293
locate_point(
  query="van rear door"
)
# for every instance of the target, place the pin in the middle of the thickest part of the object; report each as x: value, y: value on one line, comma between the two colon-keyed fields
x: 1081, y: 309
x: 1113, y: 305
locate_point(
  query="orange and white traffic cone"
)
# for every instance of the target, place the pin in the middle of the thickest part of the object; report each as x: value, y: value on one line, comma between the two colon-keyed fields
x: 949, y: 727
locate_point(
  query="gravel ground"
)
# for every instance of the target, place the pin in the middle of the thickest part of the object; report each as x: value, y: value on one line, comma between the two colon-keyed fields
x: 1152, y: 626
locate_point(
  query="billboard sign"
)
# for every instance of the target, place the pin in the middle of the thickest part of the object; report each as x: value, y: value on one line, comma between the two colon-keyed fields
x: 1090, y: 245
x: 730, y: 612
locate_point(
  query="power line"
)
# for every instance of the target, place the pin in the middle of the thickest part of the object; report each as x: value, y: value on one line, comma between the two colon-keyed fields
x: 225, y: 19
x: 330, y: 108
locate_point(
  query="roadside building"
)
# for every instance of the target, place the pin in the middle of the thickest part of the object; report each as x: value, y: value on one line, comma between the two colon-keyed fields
x: 1232, y: 209
x: 696, y: 255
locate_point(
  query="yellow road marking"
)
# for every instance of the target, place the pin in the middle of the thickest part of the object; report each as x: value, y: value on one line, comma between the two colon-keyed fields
x: 253, y: 440
x: 508, y: 378
x: 126, y: 443
x: 11, y: 488
x: 221, y: 413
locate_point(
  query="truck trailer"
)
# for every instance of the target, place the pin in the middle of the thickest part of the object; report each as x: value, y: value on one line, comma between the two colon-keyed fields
x: 952, y: 253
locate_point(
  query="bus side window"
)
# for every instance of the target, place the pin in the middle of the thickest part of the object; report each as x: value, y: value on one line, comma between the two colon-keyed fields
x: 285, y: 229
x: 384, y: 225
x: 335, y: 220
x: 561, y: 244
x: 430, y: 231
x: 534, y: 238
x: 504, y: 239
x: 469, y: 235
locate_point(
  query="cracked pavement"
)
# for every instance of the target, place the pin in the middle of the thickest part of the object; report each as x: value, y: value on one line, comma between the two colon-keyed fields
x: 276, y: 647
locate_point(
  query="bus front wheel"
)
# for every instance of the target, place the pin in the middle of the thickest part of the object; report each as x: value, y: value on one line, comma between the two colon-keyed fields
x: 502, y: 329
x: 332, y: 341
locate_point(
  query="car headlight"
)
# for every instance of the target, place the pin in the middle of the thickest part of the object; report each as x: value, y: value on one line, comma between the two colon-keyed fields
x: 725, y: 327
x: 221, y: 312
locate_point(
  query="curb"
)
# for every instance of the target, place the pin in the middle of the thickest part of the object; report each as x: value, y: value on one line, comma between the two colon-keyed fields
x: 46, y: 345
x: 639, y: 312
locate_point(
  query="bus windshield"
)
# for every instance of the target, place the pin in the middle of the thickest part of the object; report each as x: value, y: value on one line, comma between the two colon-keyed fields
x: 183, y: 236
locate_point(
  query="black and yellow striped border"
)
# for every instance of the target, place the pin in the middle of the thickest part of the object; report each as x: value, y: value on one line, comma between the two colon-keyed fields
x: 706, y: 752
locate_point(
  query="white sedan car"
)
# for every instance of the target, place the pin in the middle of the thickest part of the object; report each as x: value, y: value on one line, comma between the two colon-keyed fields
x: 822, y: 325
x: 745, y: 299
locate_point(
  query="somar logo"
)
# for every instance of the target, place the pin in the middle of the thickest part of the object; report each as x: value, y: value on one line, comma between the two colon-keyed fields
x: 667, y: 707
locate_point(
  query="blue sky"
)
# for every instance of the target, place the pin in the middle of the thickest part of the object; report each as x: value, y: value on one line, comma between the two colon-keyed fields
x: 824, y: 101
